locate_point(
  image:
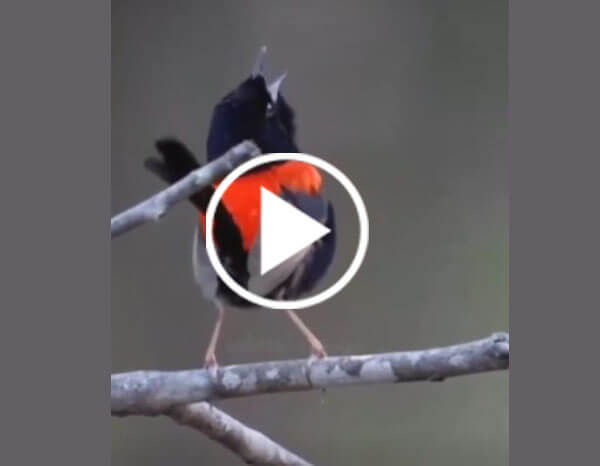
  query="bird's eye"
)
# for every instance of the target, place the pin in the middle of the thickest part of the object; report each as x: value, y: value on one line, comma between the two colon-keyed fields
x: 270, y: 110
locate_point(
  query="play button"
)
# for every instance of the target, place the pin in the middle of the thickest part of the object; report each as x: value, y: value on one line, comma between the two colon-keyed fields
x: 284, y: 230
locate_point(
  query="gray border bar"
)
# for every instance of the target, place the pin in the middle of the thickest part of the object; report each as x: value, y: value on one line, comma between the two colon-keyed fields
x: 553, y: 120
x: 55, y: 197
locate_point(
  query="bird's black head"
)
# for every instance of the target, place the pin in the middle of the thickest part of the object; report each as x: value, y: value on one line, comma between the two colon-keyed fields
x: 254, y: 110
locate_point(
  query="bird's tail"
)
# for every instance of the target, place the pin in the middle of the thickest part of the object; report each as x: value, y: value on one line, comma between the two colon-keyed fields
x: 176, y: 162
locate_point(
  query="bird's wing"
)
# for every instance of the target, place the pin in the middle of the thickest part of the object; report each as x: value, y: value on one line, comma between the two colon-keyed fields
x: 315, y: 265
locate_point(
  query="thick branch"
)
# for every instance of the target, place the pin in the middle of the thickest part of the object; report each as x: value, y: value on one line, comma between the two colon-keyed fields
x: 249, y: 444
x: 153, y: 208
x: 154, y: 392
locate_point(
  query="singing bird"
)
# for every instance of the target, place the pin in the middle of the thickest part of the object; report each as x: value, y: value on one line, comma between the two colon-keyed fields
x: 254, y: 111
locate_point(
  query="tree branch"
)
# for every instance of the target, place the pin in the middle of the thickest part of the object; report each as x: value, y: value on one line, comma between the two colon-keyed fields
x: 153, y: 208
x: 154, y: 392
x: 249, y: 444
x: 182, y: 395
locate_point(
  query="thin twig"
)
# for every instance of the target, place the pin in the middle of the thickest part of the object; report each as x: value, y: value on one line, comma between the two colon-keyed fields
x: 153, y: 208
x: 249, y: 444
x: 154, y: 392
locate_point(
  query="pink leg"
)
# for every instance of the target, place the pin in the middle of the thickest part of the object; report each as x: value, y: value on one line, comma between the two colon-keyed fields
x: 316, y: 347
x: 210, y: 360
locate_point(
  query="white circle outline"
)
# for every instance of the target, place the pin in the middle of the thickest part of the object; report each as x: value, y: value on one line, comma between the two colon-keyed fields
x: 359, y: 256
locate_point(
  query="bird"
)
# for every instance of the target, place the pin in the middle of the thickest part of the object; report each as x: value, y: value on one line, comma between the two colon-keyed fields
x: 255, y: 110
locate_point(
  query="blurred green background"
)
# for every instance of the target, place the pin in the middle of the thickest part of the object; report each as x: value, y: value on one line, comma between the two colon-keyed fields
x: 409, y: 99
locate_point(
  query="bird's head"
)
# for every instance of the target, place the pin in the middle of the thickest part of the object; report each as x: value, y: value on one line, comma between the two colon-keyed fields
x: 254, y: 110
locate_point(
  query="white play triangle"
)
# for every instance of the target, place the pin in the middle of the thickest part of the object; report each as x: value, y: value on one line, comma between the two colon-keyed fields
x: 284, y: 230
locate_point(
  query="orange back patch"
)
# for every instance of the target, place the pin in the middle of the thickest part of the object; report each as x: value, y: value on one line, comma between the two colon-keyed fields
x: 242, y: 198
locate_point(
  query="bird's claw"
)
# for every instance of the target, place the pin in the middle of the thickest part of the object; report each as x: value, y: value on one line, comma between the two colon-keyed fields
x: 210, y: 362
x: 317, y: 353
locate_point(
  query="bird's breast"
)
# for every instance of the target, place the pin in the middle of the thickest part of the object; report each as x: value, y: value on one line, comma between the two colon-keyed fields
x: 242, y: 198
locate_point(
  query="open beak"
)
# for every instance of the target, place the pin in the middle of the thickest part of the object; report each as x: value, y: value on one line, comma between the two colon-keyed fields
x: 258, y: 70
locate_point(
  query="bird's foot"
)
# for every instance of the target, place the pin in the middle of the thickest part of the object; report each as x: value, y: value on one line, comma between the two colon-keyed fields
x: 210, y: 361
x: 317, y: 351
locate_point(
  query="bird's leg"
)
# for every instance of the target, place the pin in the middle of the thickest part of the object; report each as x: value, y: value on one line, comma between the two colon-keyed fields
x: 210, y: 360
x: 316, y: 347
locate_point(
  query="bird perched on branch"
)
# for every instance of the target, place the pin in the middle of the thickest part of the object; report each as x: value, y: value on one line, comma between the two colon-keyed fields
x: 257, y: 111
